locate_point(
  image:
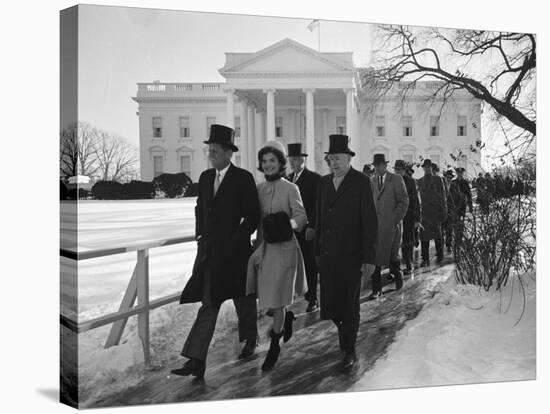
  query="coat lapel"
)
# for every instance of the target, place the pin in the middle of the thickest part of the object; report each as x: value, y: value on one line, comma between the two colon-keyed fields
x: 344, y: 185
x: 386, y: 180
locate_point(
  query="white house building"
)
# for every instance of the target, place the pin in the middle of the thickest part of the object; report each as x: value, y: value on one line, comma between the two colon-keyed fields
x: 293, y: 93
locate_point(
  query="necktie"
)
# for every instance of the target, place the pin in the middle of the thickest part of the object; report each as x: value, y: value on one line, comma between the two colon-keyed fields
x: 217, y: 182
x: 379, y: 182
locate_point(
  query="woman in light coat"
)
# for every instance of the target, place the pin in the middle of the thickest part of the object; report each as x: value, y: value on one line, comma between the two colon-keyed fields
x: 276, y: 270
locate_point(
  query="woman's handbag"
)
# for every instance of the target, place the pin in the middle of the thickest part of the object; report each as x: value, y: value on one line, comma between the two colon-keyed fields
x: 277, y: 227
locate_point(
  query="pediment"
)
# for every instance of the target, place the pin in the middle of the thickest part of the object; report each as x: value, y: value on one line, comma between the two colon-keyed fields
x: 286, y: 56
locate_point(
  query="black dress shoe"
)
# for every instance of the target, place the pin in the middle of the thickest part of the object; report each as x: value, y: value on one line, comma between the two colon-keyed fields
x: 349, y: 361
x: 273, y: 352
x: 249, y: 348
x: 312, y: 306
x: 289, y: 319
x: 193, y: 367
x: 425, y: 263
x: 407, y: 271
x: 375, y: 295
x: 439, y: 260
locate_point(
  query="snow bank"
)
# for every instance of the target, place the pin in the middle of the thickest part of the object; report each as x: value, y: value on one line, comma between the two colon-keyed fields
x: 463, y: 336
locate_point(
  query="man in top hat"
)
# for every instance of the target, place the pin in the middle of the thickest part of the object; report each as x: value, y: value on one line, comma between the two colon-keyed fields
x: 368, y: 170
x: 226, y: 214
x: 345, y: 238
x: 307, y: 181
x: 434, y: 212
x: 411, y: 221
x: 391, y: 201
x: 460, y: 199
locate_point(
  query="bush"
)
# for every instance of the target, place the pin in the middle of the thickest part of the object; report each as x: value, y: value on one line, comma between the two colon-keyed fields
x: 173, y: 185
x: 136, y: 189
x: 107, y: 190
x: 192, y: 190
x: 496, y: 241
x: 82, y: 194
x: 62, y: 191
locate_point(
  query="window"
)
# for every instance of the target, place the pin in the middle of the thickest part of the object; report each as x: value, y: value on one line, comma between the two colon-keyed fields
x: 408, y: 158
x: 157, y: 127
x: 341, y: 125
x: 407, y: 126
x: 185, y: 164
x: 435, y: 158
x: 461, y: 126
x: 434, y: 126
x: 237, y: 127
x: 279, y: 126
x: 158, y: 165
x: 380, y: 126
x: 184, y: 127
x: 209, y: 121
x: 238, y: 160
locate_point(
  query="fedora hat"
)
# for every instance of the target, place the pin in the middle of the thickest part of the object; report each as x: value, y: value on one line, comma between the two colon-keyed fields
x: 379, y: 159
x: 427, y: 163
x: 222, y: 135
x: 339, y: 144
x: 295, y: 150
x: 400, y: 164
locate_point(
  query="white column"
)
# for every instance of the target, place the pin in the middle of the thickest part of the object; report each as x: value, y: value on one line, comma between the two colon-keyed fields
x: 244, y: 134
x: 263, y: 129
x: 258, y: 125
x: 351, y: 120
x: 251, y: 138
x: 230, y: 117
x: 310, y: 129
x: 324, y: 139
x: 270, y: 113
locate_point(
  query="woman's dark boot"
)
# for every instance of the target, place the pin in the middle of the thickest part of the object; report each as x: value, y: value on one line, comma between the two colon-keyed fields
x: 274, y: 350
x: 289, y: 318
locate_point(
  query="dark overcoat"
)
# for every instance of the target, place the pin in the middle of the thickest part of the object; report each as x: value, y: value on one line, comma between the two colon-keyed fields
x: 224, y: 223
x: 413, y: 211
x: 345, y: 238
x: 434, y: 206
x: 308, y: 182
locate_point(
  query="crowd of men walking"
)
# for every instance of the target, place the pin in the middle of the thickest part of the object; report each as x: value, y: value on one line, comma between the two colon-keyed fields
x: 312, y: 231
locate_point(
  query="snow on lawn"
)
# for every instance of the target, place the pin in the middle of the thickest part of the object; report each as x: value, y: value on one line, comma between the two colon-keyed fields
x: 462, y: 336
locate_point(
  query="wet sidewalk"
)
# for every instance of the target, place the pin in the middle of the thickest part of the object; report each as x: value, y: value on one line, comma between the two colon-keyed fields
x: 308, y: 363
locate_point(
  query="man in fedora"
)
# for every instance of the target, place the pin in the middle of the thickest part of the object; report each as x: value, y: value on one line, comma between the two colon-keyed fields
x: 447, y: 224
x: 345, y: 238
x: 226, y: 214
x: 307, y: 182
x: 411, y: 221
x: 391, y: 200
x: 461, y: 198
x: 434, y: 212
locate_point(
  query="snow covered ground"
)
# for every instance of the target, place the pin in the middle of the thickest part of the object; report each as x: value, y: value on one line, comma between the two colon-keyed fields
x: 463, y: 336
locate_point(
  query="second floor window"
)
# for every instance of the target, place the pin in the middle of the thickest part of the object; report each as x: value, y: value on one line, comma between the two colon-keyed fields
x: 341, y: 125
x: 434, y: 126
x: 184, y: 127
x: 157, y: 127
x: 407, y: 126
x: 380, y: 127
x: 279, y: 126
x: 237, y: 126
x: 461, y: 126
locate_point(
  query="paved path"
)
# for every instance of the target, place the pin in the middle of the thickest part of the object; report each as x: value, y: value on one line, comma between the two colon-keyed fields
x: 308, y: 363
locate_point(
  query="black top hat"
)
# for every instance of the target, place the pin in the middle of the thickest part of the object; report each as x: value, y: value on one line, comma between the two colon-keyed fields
x: 400, y: 164
x: 295, y: 150
x: 339, y: 145
x: 379, y: 159
x: 222, y: 135
x: 427, y: 163
x: 368, y: 168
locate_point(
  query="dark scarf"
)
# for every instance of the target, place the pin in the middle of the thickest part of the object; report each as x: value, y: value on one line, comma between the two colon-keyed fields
x: 273, y: 177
